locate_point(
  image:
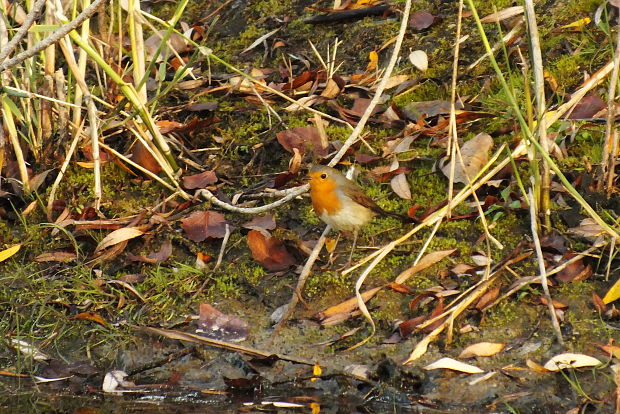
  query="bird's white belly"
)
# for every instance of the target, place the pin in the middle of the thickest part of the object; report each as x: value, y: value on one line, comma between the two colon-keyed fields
x: 350, y: 218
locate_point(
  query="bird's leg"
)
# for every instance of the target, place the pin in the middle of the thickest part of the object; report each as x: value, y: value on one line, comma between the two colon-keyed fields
x: 330, y: 260
x: 355, y: 234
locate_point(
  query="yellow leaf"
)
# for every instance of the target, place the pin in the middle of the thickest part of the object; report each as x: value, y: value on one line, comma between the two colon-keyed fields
x: 6, y: 253
x: 373, y: 58
x: 613, y: 293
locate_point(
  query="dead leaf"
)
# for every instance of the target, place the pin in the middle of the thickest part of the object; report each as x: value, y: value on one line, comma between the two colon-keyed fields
x: 587, y: 228
x: 118, y: 236
x: 401, y: 186
x: 269, y: 251
x: 373, y: 61
x: 613, y: 293
x: 475, y: 153
x: 421, y: 20
x: 93, y: 317
x: 488, y: 298
x: 419, y: 59
x: 454, y: 365
x: 588, y: 107
x: 264, y: 222
x: 482, y: 349
x: 6, y: 253
x: 348, y: 305
x: 535, y: 366
x: 305, y: 139
x: 575, y: 271
x: 141, y: 156
x: 427, y: 261
x: 217, y: 325
x: 154, y: 257
x: 201, y: 225
x: 570, y: 360
x: 199, y: 180
x: 56, y: 257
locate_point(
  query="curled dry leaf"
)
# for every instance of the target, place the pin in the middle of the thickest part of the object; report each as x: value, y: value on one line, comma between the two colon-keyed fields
x: 118, y: 236
x: 482, y: 349
x: 419, y: 59
x: 570, y: 360
x: 454, y: 365
x: 201, y: 225
x: 269, y: 251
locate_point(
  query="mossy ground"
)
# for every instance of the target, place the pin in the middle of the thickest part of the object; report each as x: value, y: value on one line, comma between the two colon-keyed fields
x: 39, y: 301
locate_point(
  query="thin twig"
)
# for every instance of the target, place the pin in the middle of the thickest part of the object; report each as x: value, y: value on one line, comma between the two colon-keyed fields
x: 208, y: 195
x: 380, y: 88
x: 543, y: 271
x: 53, y: 38
x: 301, y: 282
x: 611, y: 138
x: 33, y: 14
x: 539, y: 82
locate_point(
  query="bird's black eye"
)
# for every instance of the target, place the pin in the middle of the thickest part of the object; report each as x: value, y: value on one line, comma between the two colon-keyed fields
x: 323, y: 176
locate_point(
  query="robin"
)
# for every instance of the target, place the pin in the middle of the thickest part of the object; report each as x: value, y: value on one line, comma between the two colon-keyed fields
x: 340, y: 202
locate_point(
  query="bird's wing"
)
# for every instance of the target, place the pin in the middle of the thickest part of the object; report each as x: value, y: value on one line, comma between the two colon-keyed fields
x: 357, y: 195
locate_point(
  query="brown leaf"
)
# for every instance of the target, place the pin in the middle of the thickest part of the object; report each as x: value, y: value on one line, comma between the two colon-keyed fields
x: 141, y: 156
x: 93, y: 317
x: 56, y: 257
x: 556, y: 304
x: 304, y: 139
x: 154, y: 257
x: 427, y: 261
x: 264, y: 222
x: 488, y: 298
x: 421, y: 20
x: 575, y: 271
x: 269, y: 251
x: 201, y: 225
x: 216, y: 325
x: 587, y: 107
x: 408, y: 327
x: 599, y: 305
x: 199, y: 180
x: 348, y: 305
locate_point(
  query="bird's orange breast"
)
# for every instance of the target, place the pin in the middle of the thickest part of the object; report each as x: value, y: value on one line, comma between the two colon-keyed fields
x: 324, y: 197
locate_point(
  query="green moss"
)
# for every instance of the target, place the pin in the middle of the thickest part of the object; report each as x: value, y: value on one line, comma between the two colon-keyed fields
x: 425, y: 91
